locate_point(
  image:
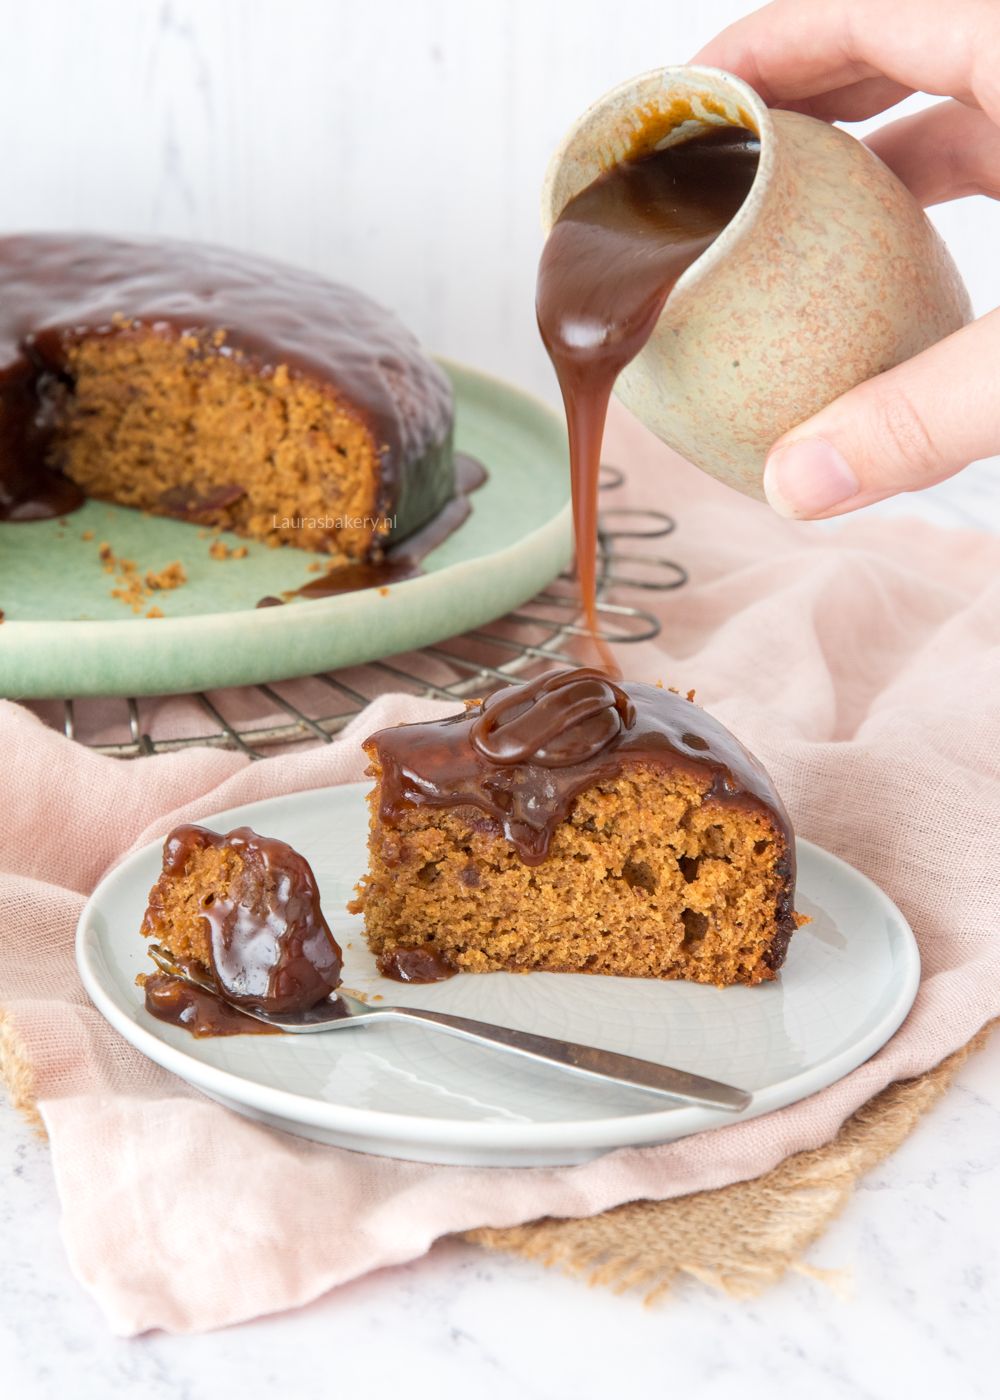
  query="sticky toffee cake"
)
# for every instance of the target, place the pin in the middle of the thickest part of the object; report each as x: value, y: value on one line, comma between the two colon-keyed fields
x: 244, y: 909
x: 216, y: 387
x: 576, y: 824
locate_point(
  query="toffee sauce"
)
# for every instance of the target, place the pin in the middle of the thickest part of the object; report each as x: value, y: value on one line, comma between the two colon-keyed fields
x: 611, y: 260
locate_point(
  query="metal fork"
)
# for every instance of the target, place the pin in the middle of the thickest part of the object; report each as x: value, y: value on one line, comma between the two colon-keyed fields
x: 341, y: 1009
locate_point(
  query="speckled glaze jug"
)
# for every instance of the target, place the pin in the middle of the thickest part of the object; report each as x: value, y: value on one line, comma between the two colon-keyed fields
x: 829, y: 273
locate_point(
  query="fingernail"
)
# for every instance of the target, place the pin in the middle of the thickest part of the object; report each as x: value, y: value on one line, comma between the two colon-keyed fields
x: 806, y: 478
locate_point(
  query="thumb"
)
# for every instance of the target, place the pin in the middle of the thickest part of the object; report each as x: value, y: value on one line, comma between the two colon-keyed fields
x: 905, y: 429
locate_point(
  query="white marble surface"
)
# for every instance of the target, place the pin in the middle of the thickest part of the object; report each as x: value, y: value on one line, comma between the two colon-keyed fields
x: 914, y: 1314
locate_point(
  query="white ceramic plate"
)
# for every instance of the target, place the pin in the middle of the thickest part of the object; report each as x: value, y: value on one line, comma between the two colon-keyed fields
x: 405, y: 1091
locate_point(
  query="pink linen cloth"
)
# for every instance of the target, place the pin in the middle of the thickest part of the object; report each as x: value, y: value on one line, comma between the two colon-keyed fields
x: 862, y: 665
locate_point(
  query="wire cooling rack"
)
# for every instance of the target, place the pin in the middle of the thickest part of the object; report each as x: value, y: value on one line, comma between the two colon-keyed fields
x: 261, y: 718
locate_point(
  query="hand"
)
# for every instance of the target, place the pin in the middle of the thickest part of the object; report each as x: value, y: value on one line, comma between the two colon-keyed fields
x: 844, y: 60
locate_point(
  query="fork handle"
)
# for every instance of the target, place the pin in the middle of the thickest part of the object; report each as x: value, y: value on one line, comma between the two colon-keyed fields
x: 585, y: 1060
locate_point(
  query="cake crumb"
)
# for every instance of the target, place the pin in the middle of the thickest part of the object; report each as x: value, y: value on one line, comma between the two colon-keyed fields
x: 173, y: 576
x: 87, y: 535
x: 383, y: 592
x: 314, y: 568
x: 218, y: 549
x: 131, y: 593
x: 130, y: 587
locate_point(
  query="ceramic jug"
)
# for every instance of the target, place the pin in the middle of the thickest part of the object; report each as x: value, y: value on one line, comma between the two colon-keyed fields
x: 829, y: 273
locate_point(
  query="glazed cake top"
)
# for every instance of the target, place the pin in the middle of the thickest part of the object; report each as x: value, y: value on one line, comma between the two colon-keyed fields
x: 522, y: 755
x: 56, y: 289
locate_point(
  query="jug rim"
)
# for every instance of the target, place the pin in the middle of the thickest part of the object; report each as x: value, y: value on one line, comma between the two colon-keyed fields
x: 636, y: 95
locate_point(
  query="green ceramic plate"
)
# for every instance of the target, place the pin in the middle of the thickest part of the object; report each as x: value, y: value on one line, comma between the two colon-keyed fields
x: 65, y: 635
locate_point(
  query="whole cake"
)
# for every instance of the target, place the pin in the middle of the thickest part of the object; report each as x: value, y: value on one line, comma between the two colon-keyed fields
x: 244, y: 909
x: 217, y: 387
x: 576, y: 824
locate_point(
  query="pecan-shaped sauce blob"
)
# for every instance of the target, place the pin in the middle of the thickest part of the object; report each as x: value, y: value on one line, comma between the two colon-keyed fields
x: 557, y: 720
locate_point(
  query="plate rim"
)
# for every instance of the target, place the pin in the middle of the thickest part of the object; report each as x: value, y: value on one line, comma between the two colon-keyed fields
x: 600, y: 1134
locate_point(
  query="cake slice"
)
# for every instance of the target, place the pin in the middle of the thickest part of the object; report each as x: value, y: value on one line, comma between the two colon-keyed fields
x: 245, y: 909
x: 576, y: 824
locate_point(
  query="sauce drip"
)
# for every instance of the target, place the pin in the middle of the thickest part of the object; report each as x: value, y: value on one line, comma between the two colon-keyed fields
x: 521, y: 757
x: 607, y: 268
